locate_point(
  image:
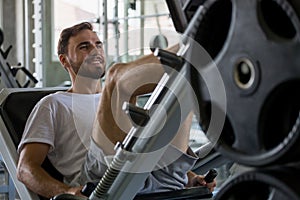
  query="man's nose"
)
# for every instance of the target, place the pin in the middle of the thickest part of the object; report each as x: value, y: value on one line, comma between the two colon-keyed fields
x: 95, y: 50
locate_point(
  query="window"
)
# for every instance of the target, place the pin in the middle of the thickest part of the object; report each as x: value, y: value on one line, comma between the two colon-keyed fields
x: 128, y: 29
x: 125, y: 26
x: 69, y: 12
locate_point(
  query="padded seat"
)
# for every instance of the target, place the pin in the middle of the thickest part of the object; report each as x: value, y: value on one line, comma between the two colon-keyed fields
x: 15, y: 110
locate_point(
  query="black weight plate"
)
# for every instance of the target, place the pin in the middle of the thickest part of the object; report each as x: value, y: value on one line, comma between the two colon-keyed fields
x: 257, y: 56
x: 280, y: 183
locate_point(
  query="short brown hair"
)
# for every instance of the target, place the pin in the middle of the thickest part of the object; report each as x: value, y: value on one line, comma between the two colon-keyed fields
x: 69, y: 32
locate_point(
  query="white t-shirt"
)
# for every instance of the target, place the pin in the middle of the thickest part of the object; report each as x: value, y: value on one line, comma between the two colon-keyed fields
x: 64, y: 121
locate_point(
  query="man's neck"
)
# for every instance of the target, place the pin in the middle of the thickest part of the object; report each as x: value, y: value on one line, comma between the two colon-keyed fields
x: 86, y: 86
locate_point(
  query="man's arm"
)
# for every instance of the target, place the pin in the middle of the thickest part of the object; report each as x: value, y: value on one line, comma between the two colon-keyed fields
x: 30, y: 172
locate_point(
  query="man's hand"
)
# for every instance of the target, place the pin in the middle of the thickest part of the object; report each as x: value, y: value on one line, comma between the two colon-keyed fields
x: 75, y: 191
x: 70, y: 193
x: 198, y: 180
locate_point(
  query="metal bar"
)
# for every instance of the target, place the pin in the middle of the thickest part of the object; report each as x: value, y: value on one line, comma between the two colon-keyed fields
x: 7, y: 78
x: 116, y: 29
x: 105, y: 28
x: 142, y: 26
x: 10, y: 157
x: 137, y: 17
x: 176, y: 12
x: 126, y: 36
x: 38, y: 41
x: 11, y: 189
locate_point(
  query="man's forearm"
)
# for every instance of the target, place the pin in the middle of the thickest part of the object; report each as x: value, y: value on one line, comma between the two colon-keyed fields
x: 40, y: 182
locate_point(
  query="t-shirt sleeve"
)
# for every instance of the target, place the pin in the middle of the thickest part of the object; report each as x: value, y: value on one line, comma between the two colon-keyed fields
x: 39, y: 126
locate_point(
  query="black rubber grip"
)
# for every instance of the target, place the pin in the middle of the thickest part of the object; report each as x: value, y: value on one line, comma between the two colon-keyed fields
x: 88, y: 188
x: 210, y: 176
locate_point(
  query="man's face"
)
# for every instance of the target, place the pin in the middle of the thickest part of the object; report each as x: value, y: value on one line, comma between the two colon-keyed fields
x: 86, y: 55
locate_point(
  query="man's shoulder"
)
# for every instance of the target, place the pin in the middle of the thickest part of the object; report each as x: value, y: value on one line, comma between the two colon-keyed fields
x: 54, y: 98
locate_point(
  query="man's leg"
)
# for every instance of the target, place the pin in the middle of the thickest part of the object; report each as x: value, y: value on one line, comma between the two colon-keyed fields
x: 124, y: 83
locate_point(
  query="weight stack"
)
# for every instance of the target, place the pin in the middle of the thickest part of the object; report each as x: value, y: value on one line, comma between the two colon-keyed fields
x: 255, y: 45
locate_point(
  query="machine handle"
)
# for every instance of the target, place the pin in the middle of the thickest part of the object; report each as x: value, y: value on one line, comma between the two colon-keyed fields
x: 210, y: 176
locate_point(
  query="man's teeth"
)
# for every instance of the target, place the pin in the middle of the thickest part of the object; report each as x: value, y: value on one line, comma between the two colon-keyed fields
x: 97, y: 61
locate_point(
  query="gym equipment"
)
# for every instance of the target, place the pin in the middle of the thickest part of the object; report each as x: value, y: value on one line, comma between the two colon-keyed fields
x: 211, y: 175
x: 273, y: 183
x: 178, y: 194
x: 7, y: 188
x: 158, y: 41
x: 249, y: 83
x: 8, y: 73
x: 169, y: 94
x: 255, y: 45
x: 15, y: 106
x: 184, y: 194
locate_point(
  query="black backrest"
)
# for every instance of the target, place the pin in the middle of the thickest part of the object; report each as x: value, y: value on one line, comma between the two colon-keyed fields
x: 15, y: 110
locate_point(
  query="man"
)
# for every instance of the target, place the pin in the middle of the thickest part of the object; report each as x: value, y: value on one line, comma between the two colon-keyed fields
x: 60, y: 126
x: 81, y: 54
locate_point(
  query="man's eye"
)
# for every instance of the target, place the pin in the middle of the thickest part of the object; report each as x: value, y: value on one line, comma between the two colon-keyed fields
x: 83, y: 47
x: 99, y: 46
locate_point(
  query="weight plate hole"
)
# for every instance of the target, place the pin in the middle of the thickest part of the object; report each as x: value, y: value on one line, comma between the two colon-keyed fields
x: 279, y: 114
x: 243, y: 191
x: 275, y: 21
x: 214, y: 28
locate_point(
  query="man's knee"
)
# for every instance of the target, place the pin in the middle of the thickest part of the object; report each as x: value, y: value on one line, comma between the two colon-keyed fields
x: 114, y: 75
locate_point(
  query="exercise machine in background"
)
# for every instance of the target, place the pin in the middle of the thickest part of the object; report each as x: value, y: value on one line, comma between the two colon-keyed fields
x: 8, y: 73
x: 8, y: 79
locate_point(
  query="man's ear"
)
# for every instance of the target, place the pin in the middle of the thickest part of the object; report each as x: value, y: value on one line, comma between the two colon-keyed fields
x: 64, y: 61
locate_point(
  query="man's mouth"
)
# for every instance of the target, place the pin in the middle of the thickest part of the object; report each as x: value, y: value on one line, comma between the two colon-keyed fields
x: 95, y: 60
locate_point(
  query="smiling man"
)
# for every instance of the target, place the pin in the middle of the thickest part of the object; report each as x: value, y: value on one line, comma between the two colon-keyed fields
x: 60, y: 125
